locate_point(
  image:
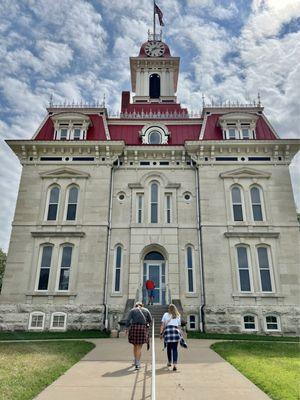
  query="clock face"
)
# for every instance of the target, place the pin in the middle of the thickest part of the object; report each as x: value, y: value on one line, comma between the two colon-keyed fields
x: 154, y: 49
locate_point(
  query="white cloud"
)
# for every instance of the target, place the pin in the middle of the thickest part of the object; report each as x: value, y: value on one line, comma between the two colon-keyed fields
x: 80, y: 49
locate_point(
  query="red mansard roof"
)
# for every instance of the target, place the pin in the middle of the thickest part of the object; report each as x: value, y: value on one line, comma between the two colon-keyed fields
x: 214, y: 132
x: 182, y: 128
x: 95, y: 132
x: 179, y: 133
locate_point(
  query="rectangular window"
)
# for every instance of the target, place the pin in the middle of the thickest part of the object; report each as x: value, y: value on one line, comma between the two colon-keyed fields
x: 231, y: 133
x: 154, y: 203
x: 140, y: 201
x: 264, y: 267
x: 45, y: 268
x: 190, y: 274
x: 37, y: 321
x: 192, y: 322
x: 249, y: 323
x: 65, y: 267
x: 118, y: 263
x: 168, y: 208
x: 243, y: 267
x: 272, y: 323
x: 245, y: 133
x: 63, y: 134
x: 77, y: 134
x: 58, y: 321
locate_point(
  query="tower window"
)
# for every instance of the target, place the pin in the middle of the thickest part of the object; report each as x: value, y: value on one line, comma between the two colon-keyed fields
x: 154, y: 85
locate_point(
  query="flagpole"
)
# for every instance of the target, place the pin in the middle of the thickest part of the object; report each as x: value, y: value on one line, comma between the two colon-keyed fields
x: 154, y: 20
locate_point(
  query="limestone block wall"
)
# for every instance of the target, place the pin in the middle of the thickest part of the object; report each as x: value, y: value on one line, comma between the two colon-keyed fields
x: 225, y: 304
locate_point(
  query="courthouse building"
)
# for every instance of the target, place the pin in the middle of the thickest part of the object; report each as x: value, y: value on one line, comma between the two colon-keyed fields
x: 201, y: 204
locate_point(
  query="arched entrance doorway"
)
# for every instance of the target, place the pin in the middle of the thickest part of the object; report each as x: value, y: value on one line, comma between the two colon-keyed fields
x: 154, y: 268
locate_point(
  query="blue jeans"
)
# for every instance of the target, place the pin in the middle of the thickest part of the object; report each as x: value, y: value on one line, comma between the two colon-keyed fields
x: 172, y: 352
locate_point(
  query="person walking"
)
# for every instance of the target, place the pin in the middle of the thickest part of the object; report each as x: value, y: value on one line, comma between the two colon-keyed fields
x: 170, y: 332
x: 137, y: 328
x: 150, y: 286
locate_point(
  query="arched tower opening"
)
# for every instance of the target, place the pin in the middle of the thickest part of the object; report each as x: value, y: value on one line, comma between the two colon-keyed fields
x: 154, y: 86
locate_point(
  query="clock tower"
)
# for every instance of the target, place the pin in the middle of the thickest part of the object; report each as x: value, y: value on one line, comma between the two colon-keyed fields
x: 154, y: 73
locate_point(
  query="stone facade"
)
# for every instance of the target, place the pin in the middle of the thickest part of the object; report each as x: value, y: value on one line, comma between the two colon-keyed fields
x: 160, y: 210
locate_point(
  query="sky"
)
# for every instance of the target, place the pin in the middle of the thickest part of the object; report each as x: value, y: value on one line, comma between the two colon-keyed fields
x: 79, y: 50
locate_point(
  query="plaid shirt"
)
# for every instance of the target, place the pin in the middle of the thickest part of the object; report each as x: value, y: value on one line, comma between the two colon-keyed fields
x: 171, y: 334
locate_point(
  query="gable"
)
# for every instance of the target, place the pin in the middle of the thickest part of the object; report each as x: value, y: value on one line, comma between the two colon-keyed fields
x: 245, y: 172
x: 64, y: 172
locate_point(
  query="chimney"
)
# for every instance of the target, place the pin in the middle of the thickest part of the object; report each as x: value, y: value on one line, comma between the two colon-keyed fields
x: 125, y: 101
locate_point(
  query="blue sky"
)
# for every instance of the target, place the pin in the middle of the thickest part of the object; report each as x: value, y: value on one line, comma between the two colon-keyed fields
x: 76, y: 49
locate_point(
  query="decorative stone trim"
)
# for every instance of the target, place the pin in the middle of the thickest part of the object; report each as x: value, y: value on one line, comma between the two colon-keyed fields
x: 245, y: 173
x: 64, y: 173
x: 252, y: 234
x: 57, y: 234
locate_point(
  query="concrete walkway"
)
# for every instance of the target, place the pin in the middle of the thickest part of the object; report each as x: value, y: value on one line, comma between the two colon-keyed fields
x: 105, y: 373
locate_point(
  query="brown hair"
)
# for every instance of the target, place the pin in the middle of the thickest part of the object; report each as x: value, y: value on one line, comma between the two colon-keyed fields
x: 173, y: 311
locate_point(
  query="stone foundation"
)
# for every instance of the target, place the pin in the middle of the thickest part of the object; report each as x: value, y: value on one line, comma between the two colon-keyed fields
x: 229, y: 319
x: 79, y: 317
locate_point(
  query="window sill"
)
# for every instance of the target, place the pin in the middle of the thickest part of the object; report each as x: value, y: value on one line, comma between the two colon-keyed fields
x: 257, y: 295
x: 116, y: 295
x: 51, y: 294
x: 192, y: 295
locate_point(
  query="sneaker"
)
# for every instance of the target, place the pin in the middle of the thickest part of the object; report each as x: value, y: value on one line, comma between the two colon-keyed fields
x: 169, y: 364
x: 137, y: 367
x: 174, y: 368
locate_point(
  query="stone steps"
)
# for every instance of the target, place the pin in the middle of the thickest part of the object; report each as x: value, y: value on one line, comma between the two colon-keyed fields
x: 157, y: 312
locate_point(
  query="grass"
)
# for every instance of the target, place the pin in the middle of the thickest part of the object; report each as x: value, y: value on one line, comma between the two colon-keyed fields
x: 273, y: 367
x: 22, y: 335
x: 236, y: 336
x: 27, y: 368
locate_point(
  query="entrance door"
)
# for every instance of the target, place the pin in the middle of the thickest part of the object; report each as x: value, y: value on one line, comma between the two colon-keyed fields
x: 155, y: 271
x: 155, y: 276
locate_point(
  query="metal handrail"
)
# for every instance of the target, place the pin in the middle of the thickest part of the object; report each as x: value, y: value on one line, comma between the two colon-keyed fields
x: 153, y: 383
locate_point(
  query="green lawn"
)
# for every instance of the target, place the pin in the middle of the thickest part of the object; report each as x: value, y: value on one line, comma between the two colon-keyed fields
x: 22, y: 335
x: 274, y: 367
x: 27, y: 368
x: 241, y: 336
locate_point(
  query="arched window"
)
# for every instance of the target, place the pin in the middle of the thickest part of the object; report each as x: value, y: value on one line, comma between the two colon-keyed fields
x: 256, y: 204
x: 243, y: 268
x: 264, y: 269
x: 190, y: 269
x: 154, y: 86
x: 154, y: 255
x: 65, y: 267
x: 154, y: 202
x: 53, y: 201
x: 72, y: 203
x: 237, y: 205
x: 45, y: 265
x: 249, y: 323
x: 118, y: 266
x: 272, y: 323
x: 154, y: 137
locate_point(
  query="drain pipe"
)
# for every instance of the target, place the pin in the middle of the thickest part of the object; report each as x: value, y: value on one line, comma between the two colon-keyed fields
x: 200, y: 252
x: 111, y: 182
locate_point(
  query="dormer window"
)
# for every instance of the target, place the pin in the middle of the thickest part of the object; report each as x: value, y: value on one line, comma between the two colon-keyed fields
x: 238, y: 126
x: 70, y: 126
x: 155, y: 134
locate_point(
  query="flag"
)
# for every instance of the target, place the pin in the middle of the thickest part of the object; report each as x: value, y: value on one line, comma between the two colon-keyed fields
x: 158, y: 11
